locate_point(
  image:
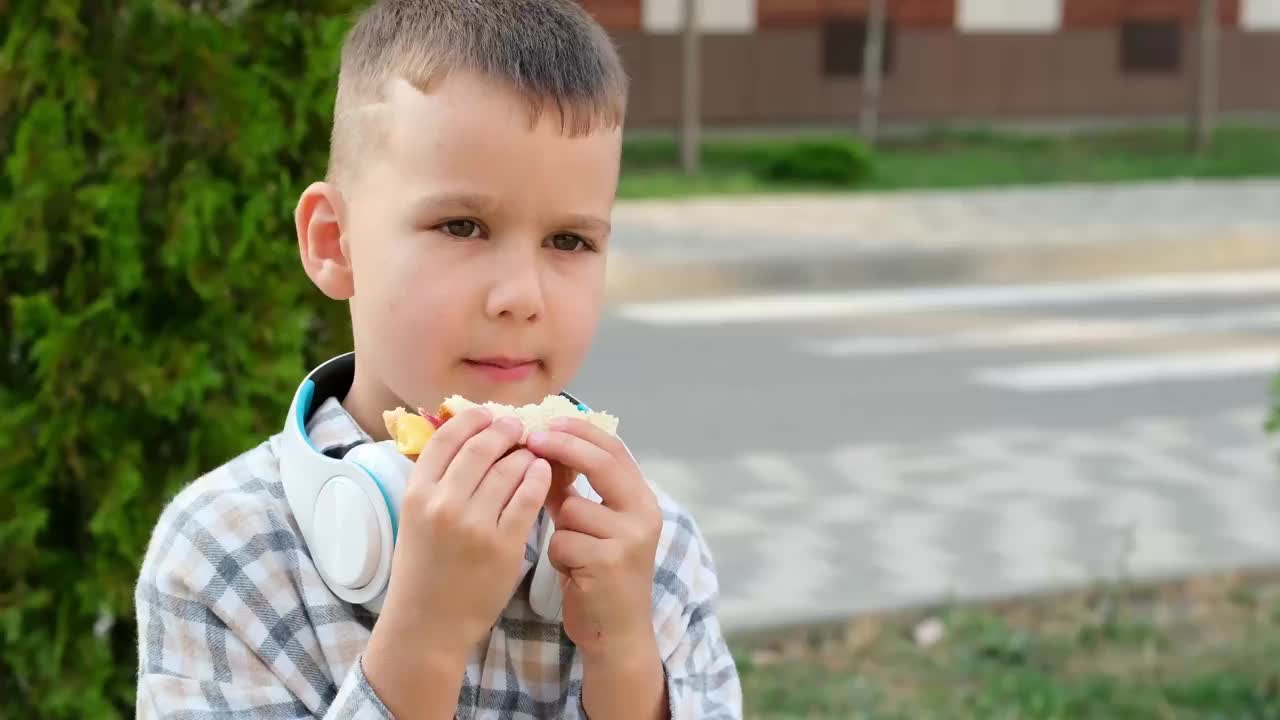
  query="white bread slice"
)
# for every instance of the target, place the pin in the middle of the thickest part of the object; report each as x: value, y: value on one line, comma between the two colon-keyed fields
x: 534, y: 416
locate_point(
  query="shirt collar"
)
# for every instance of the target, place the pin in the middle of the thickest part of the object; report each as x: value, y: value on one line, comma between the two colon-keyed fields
x: 333, y: 431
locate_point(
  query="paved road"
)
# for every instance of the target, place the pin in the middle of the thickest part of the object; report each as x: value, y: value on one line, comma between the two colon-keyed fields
x: 860, y: 451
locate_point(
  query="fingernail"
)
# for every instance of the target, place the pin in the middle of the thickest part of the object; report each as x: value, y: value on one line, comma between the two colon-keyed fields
x: 537, y: 437
x: 509, y: 423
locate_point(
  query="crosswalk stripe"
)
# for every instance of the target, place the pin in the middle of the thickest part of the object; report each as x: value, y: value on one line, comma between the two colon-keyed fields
x: 820, y: 306
x: 1033, y: 544
x: 1145, y: 523
x: 776, y: 471
x: 1122, y: 370
x: 1049, y: 331
x: 672, y: 476
x: 792, y: 565
x: 908, y: 550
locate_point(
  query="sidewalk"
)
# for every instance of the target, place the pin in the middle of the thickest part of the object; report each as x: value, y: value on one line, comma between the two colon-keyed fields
x: 777, y: 243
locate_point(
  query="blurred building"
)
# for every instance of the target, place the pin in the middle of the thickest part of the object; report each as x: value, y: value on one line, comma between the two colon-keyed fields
x: 798, y: 62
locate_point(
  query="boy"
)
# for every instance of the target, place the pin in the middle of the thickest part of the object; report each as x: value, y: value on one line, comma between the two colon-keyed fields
x: 475, y: 154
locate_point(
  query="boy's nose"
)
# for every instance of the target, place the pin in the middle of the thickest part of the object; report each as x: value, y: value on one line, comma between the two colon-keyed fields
x: 516, y: 289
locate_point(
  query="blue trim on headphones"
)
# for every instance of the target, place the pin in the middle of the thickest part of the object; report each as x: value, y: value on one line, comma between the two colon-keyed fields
x: 581, y: 406
x: 304, y: 405
x: 391, y: 512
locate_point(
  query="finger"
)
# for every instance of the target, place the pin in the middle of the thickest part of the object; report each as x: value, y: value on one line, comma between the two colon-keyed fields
x: 606, y: 441
x: 578, y: 427
x: 569, y: 550
x: 578, y: 514
x: 478, y: 455
x: 521, y: 512
x: 500, y: 483
x: 562, y: 475
x: 448, y: 440
x: 601, y: 468
x: 562, y: 479
x: 571, y: 451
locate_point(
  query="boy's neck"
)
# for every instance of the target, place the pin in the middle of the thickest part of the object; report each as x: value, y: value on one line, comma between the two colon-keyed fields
x: 365, y: 402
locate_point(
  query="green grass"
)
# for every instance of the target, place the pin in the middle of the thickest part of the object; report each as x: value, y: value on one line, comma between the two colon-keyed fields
x: 955, y: 159
x: 1206, y: 649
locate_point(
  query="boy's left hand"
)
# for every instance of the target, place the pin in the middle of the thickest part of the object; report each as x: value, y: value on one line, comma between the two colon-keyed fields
x: 604, y: 551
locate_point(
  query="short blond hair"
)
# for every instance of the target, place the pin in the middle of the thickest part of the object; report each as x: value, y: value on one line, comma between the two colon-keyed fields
x: 550, y: 52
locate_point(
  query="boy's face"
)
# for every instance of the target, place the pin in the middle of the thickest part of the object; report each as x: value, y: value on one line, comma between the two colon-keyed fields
x: 471, y: 245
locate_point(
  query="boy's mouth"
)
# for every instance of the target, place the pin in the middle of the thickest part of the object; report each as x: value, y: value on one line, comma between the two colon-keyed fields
x: 503, y: 369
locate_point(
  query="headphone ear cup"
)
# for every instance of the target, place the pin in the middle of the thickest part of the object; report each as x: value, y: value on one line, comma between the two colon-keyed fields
x: 389, y: 468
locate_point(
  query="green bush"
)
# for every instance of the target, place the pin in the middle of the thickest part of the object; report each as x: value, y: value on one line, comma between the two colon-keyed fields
x: 839, y: 163
x: 153, y: 317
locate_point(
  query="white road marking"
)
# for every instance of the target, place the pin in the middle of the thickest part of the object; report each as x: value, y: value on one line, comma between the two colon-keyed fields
x: 1151, y: 541
x: 792, y: 566
x: 774, y: 470
x: 867, y: 469
x: 1049, y: 331
x: 1122, y: 370
x: 673, y: 477
x: 820, y: 306
x: 1034, y: 546
x: 908, y: 548
x: 1248, y: 496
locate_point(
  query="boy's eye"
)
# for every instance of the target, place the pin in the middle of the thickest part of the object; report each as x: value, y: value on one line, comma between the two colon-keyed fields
x: 461, y: 228
x: 568, y: 243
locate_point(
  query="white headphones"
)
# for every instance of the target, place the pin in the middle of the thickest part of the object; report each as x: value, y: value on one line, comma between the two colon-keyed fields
x: 348, y: 508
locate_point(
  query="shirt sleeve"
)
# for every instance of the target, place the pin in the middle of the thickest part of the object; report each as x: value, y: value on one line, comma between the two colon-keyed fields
x: 223, y: 631
x: 702, y: 678
x: 172, y: 696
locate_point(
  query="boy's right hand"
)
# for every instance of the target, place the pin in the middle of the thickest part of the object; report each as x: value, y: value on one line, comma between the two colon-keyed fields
x: 468, y: 510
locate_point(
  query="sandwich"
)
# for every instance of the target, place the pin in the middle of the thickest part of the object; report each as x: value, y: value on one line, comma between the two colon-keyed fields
x: 412, y: 431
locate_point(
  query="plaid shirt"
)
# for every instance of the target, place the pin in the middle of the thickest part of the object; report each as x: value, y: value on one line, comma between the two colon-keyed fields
x: 235, y: 622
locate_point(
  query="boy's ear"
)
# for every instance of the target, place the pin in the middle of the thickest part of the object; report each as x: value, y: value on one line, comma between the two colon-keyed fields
x: 318, y: 220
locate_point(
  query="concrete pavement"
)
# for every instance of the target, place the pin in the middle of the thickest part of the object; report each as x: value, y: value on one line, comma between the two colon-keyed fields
x: 884, y: 449
x: 721, y: 245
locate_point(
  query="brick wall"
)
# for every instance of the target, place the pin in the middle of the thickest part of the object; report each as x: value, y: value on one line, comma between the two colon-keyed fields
x: 783, y: 13
x: 1108, y: 13
x: 616, y: 14
x: 627, y: 15
x: 905, y: 13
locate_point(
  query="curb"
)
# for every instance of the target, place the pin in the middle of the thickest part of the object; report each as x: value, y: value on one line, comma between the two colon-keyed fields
x: 634, y: 279
x: 797, y: 638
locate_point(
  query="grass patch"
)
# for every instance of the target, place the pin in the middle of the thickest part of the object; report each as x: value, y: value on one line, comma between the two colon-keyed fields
x: 961, y: 159
x: 1204, y: 648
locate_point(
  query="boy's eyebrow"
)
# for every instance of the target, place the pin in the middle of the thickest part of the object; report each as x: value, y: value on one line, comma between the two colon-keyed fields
x: 472, y: 202
x: 589, y: 223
